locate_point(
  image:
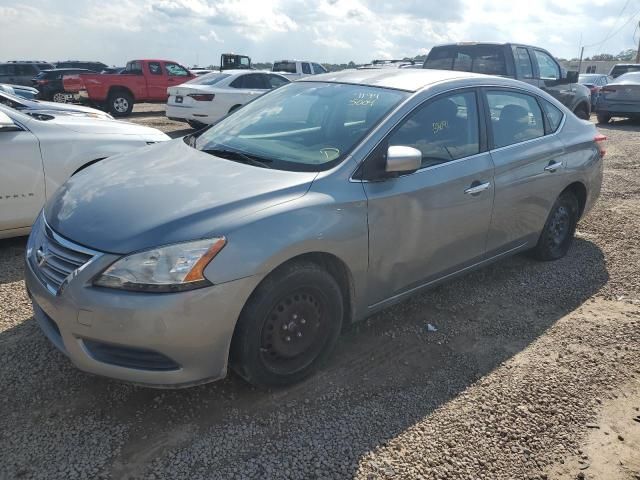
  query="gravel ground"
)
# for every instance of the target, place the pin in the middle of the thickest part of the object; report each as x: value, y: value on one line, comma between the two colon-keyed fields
x: 534, y: 372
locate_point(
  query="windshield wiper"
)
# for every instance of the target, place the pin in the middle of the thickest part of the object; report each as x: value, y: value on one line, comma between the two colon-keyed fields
x: 241, y: 157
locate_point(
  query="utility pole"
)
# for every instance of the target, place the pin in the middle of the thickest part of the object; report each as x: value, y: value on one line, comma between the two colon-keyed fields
x: 580, y: 62
x: 638, y: 52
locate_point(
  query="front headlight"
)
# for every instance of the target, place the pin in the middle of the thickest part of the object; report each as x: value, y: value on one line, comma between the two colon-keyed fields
x: 172, y: 268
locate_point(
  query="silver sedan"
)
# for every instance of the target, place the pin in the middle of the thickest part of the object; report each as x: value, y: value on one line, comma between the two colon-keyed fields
x: 249, y: 244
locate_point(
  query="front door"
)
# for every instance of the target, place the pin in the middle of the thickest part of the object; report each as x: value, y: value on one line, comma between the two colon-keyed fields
x: 428, y: 224
x: 157, y: 81
x: 22, y: 192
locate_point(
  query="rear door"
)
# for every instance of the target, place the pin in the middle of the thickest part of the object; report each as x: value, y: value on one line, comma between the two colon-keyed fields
x: 528, y: 166
x: 22, y: 191
x: 524, y: 65
x: 156, y: 80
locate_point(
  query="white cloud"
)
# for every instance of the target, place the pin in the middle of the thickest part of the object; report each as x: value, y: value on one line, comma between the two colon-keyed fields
x: 320, y: 30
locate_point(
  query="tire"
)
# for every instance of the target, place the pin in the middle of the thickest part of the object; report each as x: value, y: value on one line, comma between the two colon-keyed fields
x: 288, y: 327
x: 59, y: 97
x: 559, y: 229
x: 234, y: 108
x: 120, y: 103
x: 582, y: 112
x: 195, y: 124
x: 604, y: 118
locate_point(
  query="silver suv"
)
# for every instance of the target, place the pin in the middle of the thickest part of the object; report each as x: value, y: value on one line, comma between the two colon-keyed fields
x: 18, y: 72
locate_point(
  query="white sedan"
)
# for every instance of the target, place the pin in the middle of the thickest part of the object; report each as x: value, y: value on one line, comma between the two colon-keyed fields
x: 39, y: 152
x: 206, y: 99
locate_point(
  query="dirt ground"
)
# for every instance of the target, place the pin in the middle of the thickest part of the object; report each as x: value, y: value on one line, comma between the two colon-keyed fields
x: 533, y: 372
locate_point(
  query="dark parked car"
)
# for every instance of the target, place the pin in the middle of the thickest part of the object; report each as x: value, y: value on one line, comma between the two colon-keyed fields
x: 21, y: 72
x: 93, y: 66
x: 529, y: 64
x: 594, y: 82
x: 622, y: 68
x: 620, y: 98
x: 49, y: 83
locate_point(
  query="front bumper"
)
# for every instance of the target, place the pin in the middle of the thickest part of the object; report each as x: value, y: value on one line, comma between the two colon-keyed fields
x: 163, y: 340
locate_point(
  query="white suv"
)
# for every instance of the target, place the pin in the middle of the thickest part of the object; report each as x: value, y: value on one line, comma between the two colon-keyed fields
x: 39, y: 152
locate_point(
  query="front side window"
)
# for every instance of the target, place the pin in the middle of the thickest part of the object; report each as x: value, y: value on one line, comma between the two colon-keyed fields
x: 523, y: 63
x: 443, y: 130
x: 175, y: 70
x: 155, y: 68
x: 317, y: 68
x: 548, y: 67
x: 515, y: 117
x: 302, y: 126
x: 306, y: 68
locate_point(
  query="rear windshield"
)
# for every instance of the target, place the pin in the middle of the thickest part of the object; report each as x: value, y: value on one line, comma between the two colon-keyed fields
x: 208, y: 79
x: 620, y: 69
x: 487, y: 59
x: 288, y: 67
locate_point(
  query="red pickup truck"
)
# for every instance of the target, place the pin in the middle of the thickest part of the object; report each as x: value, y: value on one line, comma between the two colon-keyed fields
x: 140, y: 81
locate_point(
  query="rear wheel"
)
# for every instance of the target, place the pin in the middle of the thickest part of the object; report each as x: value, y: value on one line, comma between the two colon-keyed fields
x: 120, y: 103
x: 288, y: 327
x: 195, y: 124
x: 234, y: 108
x: 59, y: 97
x: 582, y: 112
x: 604, y: 118
x: 557, y: 234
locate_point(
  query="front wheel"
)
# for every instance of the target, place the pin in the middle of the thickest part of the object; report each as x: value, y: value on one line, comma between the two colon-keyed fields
x: 59, y: 97
x: 288, y: 327
x: 557, y: 234
x: 120, y: 104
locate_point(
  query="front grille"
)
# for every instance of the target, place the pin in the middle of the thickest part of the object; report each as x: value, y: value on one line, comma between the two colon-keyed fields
x: 54, y: 258
x: 129, y: 357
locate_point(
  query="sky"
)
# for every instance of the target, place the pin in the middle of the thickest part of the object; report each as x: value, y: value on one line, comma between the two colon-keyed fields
x: 327, y: 31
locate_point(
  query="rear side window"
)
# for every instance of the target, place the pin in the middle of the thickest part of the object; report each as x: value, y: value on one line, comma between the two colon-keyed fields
x: 276, y: 81
x: 487, y: 59
x: 250, y: 80
x: 134, y: 68
x: 554, y: 115
x: 515, y: 117
x: 523, y: 63
x: 548, y: 67
x: 443, y: 130
x: 306, y: 68
x: 3, y: 70
x: 155, y: 68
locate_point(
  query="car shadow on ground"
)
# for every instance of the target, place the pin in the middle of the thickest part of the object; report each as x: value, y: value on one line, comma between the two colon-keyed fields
x: 387, y: 373
x: 11, y: 263
x: 623, y: 124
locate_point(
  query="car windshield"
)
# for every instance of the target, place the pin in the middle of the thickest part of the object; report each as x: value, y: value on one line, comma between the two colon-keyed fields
x: 208, y: 79
x: 302, y: 126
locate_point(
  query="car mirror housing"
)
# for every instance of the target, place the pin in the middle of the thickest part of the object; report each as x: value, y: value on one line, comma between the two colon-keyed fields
x: 402, y: 159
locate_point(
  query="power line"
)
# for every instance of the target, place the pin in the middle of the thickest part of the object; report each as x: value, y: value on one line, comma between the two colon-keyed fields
x: 612, y: 33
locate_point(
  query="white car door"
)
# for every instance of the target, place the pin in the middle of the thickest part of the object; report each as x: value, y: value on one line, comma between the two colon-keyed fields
x: 22, y: 191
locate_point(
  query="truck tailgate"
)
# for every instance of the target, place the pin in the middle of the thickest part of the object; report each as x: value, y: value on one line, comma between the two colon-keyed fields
x: 72, y: 83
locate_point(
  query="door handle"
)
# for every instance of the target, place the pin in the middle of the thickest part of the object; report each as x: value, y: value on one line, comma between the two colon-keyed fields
x: 552, y: 167
x: 481, y: 187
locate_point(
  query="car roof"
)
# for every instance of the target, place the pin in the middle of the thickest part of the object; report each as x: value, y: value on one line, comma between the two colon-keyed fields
x: 407, y: 79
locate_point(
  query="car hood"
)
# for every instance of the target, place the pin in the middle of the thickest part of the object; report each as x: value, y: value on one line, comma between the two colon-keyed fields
x: 164, y: 194
x: 101, y: 126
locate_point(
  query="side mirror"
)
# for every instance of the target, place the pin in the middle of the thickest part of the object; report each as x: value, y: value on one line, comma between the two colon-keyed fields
x: 572, y: 76
x: 402, y: 159
x: 6, y: 123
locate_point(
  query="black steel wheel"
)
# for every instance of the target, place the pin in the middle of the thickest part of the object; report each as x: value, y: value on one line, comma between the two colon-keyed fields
x: 558, y: 232
x: 288, y: 326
